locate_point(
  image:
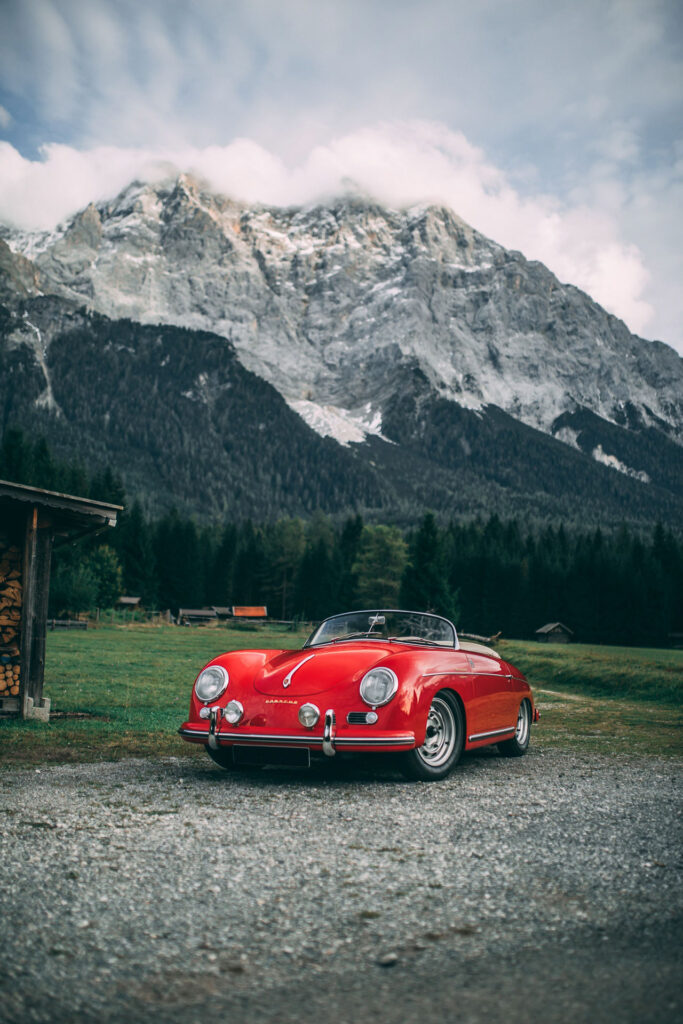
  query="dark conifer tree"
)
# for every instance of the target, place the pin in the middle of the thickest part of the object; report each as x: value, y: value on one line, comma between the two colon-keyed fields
x: 16, y: 457
x: 220, y: 579
x: 136, y: 552
x: 425, y: 580
x: 347, y: 552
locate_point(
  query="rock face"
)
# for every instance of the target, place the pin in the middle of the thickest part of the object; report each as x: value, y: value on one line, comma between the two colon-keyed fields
x: 381, y: 329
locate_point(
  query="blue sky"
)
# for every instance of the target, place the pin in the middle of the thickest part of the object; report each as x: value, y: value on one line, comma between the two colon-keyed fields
x: 555, y: 128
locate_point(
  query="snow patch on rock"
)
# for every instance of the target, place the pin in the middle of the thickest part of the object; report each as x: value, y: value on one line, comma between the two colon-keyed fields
x: 341, y: 424
x: 614, y: 463
x: 568, y: 436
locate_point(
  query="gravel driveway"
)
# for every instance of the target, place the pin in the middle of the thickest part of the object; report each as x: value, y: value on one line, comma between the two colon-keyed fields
x: 546, y: 887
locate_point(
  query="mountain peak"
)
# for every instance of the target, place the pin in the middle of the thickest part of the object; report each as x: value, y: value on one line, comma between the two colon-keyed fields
x: 337, y: 305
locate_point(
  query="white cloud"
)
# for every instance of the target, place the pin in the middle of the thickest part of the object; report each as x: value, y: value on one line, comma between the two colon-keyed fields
x: 5, y: 118
x: 398, y: 163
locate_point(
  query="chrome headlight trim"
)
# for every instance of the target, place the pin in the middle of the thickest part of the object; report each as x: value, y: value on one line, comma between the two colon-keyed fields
x: 309, y: 715
x: 211, y: 683
x: 386, y: 677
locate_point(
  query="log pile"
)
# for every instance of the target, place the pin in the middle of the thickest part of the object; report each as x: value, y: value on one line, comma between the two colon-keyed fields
x: 10, y: 617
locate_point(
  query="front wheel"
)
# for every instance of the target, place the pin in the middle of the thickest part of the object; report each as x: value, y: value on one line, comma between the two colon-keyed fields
x: 443, y: 745
x: 519, y: 743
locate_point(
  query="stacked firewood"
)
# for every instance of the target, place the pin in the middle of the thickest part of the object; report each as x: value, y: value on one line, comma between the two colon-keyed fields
x: 10, y: 617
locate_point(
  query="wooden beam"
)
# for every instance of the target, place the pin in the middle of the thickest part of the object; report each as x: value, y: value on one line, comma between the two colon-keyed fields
x: 37, y: 555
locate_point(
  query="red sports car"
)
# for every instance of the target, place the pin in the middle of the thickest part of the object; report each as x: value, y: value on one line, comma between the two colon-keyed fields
x: 374, y: 680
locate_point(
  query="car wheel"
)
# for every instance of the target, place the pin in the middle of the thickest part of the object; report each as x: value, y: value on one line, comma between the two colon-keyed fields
x: 519, y: 743
x: 443, y: 743
x: 222, y: 757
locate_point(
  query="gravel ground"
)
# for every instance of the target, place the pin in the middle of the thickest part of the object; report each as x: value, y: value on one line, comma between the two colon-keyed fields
x: 168, y: 890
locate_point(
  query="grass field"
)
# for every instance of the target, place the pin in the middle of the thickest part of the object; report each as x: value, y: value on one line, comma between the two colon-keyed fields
x: 135, y: 680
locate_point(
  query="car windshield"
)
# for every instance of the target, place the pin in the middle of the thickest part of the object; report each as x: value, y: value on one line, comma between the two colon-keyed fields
x: 385, y: 624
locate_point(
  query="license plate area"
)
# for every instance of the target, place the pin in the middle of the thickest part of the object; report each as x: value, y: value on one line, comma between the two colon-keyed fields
x: 291, y: 757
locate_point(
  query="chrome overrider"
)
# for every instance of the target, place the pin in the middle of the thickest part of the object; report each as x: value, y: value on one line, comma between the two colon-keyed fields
x: 329, y: 733
x: 215, y: 715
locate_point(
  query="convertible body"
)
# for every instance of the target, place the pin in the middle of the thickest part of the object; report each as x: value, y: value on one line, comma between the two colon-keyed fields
x: 400, y: 683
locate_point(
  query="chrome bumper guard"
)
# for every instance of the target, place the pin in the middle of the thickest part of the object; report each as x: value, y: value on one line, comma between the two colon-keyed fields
x: 215, y: 715
x: 329, y: 733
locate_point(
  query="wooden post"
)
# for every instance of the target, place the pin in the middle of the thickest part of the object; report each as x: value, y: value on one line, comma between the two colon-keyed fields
x: 37, y: 554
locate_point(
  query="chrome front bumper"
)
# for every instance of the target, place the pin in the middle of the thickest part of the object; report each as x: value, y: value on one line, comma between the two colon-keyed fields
x: 328, y: 743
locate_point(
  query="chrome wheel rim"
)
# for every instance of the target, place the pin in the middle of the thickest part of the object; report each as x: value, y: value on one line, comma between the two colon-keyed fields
x: 441, y: 735
x: 522, y: 730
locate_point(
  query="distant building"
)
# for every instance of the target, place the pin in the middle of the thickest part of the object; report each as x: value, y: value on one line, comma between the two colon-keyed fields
x: 251, y: 611
x: 554, y: 633
x: 128, y: 602
x: 195, y: 616
x: 222, y: 611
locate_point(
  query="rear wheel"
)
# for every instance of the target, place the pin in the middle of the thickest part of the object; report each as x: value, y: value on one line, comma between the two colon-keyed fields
x: 519, y: 743
x: 443, y: 745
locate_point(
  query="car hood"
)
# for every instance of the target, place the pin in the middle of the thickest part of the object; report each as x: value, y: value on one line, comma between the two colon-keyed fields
x: 306, y: 672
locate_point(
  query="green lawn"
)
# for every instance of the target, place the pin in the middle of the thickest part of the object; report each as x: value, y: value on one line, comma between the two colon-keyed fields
x: 136, y: 680
x: 631, y: 673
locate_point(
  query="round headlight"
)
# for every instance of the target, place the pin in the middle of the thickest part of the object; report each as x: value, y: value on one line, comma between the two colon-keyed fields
x: 308, y: 715
x: 211, y: 683
x: 233, y: 711
x: 378, y: 686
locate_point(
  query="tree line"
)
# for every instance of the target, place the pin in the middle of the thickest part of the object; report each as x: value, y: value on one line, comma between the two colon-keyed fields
x: 487, y: 574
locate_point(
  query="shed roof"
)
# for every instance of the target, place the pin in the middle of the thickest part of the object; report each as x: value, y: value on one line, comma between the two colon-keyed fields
x: 68, y: 509
x: 125, y: 599
x: 197, y: 613
x: 250, y: 611
x: 550, y: 627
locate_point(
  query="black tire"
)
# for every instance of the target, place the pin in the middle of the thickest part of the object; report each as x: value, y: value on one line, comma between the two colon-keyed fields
x: 519, y: 744
x: 443, y: 747
x: 222, y: 757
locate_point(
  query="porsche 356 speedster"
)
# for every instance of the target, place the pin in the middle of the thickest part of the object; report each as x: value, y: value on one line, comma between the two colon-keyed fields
x: 364, y: 681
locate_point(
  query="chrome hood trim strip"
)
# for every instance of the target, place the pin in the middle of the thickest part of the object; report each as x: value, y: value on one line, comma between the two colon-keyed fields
x: 288, y: 678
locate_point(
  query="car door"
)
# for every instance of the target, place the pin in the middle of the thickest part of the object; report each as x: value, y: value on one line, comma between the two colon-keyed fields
x: 490, y: 709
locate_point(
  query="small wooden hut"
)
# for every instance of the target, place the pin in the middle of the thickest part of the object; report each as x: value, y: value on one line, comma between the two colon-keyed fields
x: 554, y: 633
x: 195, y: 616
x: 32, y: 520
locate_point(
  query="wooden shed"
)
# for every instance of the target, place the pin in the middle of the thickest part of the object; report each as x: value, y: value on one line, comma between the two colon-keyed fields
x: 222, y: 611
x: 32, y: 520
x: 554, y: 633
x: 195, y: 616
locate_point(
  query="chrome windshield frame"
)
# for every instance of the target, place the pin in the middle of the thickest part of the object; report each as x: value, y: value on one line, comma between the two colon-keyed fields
x: 383, y: 612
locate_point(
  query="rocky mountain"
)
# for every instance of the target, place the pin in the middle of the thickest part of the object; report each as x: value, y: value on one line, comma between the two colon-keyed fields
x: 422, y: 363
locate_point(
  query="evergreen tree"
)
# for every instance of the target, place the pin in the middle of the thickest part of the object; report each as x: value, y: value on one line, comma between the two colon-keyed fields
x: 347, y: 552
x: 379, y: 567
x: 136, y: 551
x: 220, y: 581
x: 16, y: 457
x: 425, y: 580
x: 315, y: 584
x: 106, y: 569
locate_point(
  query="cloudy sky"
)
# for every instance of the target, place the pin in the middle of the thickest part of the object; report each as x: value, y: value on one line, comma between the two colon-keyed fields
x: 555, y: 128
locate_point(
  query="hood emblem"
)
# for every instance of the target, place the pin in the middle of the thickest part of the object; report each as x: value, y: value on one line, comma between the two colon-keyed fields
x: 288, y: 678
